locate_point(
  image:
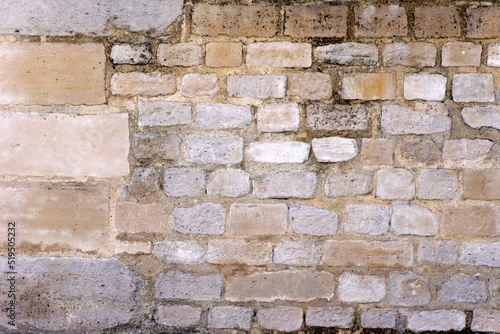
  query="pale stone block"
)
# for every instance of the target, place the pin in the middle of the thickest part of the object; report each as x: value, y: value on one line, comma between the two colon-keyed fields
x: 463, y: 288
x: 311, y: 86
x: 281, y: 318
x: 461, y: 54
x: 279, y: 54
x: 379, y: 318
x: 493, y: 55
x: 179, y: 182
x: 480, y: 254
x: 178, y: 315
x: 307, y: 219
x: 278, y: 117
x: 224, y: 54
x: 349, y: 183
x: 486, y: 320
x: 257, y: 86
x: 133, y: 247
x: 206, y: 218
x: 466, y: 149
x: 482, y: 116
x: 176, y: 284
x: 136, y: 218
x: 299, y: 184
x: 370, y: 219
x: 429, y: 87
x: 413, y: 219
x: 350, y: 54
x: 401, y: 120
x: 182, y: 54
x: 473, y: 87
x: 438, y: 320
x: 413, y: 54
x: 195, y: 84
x: 214, y: 149
x: 408, y: 289
x: 379, y: 151
x: 257, y: 219
x: 229, y: 183
x: 233, y: 317
x: 355, y: 288
x: 296, y: 253
x: 238, y: 251
x: 219, y: 116
x: 163, y: 113
x: 334, y: 149
x: 132, y: 54
x: 395, y: 183
x: 147, y: 84
x: 442, y: 252
x: 437, y: 184
x: 279, y: 152
x: 182, y: 252
x: 337, y: 317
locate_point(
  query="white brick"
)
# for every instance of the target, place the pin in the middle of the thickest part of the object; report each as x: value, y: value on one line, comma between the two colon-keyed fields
x: 371, y: 219
x: 279, y: 54
x: 350, y: 54
x: 196, y: 84
x: 430, y: 87
x: 214, y: 149
x: 138, y: 83
x: 494, y: 55
x: 132, y: 54
x: 482, y: 116
x: 182, y: 54
x: 257, y: 86
x: 473, y: 87
x: 278, y: 185
x: 179, y: 182
x: 279, y: 152
x: 438, y: 320
x: 183, y: 252
x: 278, y: 117
x: 355, y: 288
x: 219, y: 116
x: 334, y: 149
x: 205, y: 218
x: 410, y: 218
x: 395, y: 183
x: 400, y: 120
x: 307, y: 219
x: 229, y: 183
x: 296, y: 253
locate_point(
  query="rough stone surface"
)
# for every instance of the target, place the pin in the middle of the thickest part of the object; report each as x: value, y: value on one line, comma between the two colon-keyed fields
x: 437, y: 21
x: 278, y: 117
x: 195, y: 84
x: 136, y: 218
x: 257, y: 219
x: 296, y: 253
x: 178, y: 315
x: 369, y: 86
x: 310, y: 86
x: 355, y: 288
x: 438, y: 320
x: 188, y: 252
x: 482, y: 116
x: 379, y: 318
x: 481, y: 22
x: 482, y: 184
x: 349, y: 183
x: 337, y: 317
x: 395, y: 183
x: 219, y: 116
x: 380, y: 21
x: 206, y: 218
x: 285, y: 285
x: 418, y: 151
x: 281, y: 318
x: 133, y: 247
x: 163, y: 113
x: 132, y: 54
x: 472, y: 220
x: 307, y: 219
x: 334, y: 149
x: 279, y: 54
x: 277, y: 185
x: 473, y: 87
x: 466, y: 149
x: 228, y: 183
x: 180, y: 182
x: 182, y: 54
x: 214, y: 149
x: 151, y: 145
x: 235, y: 317
x: 480, y: 254
x: 324, y: 116
x: 442, y: 252
x: 257, y: 86
x: 147, y: 84
x: 350, y: 54
x: 176, y: 284
x: 224, y: 54
x: 413, y: 54
x: 463, y: 288
x: 486, y: 320
x: 238, y: 251
x: 281, y: 152
x: 493, y: 55
x: 370, y: 219
x: 437, y: 184
x: 145, y: 181
x: 316, y: 20
x: 429, y: 87
x: 377, y: 151
x: 495, y: 289
x: 461, y: 54
x: 400, y: 120
x: 411, y: 218
x: 408, y: 289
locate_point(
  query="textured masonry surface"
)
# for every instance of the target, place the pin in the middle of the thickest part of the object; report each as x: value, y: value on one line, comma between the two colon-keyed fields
x: 237, y: 166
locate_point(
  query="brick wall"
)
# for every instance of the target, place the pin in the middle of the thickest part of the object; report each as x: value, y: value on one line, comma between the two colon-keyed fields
x: 219, y: 166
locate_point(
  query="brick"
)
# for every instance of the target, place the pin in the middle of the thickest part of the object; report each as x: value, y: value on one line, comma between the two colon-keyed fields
x: 461, y: 54
x: 183, y: 252
x: 413, y: 54
x: 395, y: 183
x: 258, y: 219
x: 316, y: 21
x: 473, y: 87
x: 229, y: 183
x: 307, y: 219
x: 179, y: 182
x: 429, y: 87
x: 438, y: 251
x: 280, y: 285
x: 235, y: 20
x: 480, y: 254
x: 348, y: 253
x: 238, y: 251
x: 182, y: 54
x: 322, y: 116
x: 279, y: 152
x: 235, y: 317
x: 437, y: 184
x: 348, y: 183
x: 379, y: 318
x: 44, y: 73
x: 495, y: 289
x: 132, y: 247
x: 377, y: 151
x: 279, y: 54
x: 296, y: 253
x: 437, y: 21
x: 481, y: 184
x: 310, y: 86
x: 355, y: 288
x: 350, y: 54
x: 257, y: 86
x: 381, y: 21
x: 438, y: 320
x: 370, y: 219
x: 131, y: 54
x: 156, y: 146
x: 400, y: 120
x: 485, y: 320
x: 481, y: 22
x: 195, y: 84
x: 482, y: 116
x: 50, y: 18
x: 176, y: 284
x: 334, y: 149
x: 408, y: 289
x: 337, y: 317
x: 145, y: 181
x: 419, y: 151
x: 277, y: 185
x: 472, y: 220
x: 136, y: 218
x: 278, y: 117
x: 493, y: 55
x: 219, y: 116
x: 281, y: 318
x: 214, y: 149
x: 369, y: 86
x: 66, y: 214
x: 205, y: 218
x: 462, y: 288
x: 224, y: 54
x: 163, y: 113
x: 147, y: 84
x: 178, y: 315
x: 466, y: 149
x: 47, y: 302
x: 413, y: 219
x: 64, y: 145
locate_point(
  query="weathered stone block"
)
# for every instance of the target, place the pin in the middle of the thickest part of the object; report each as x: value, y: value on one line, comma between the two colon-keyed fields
x: 472, y: 220
x: 334, y: 149
x: 418, y: 151
x: 482, y: 184
x: 307, y: 219
x: 350, y: 54
x: 224, y: 54
x: 371, y: 219
x: 377, y: 151
x: 466, y: 149
x: 214, y: 149
x: 480, y: 254
x: 206, y: 218
x: 411, y: 218
x: 337, y: 317
x: 278, y: 117
x: 256, y: 219
x: 395, y: 183
x: 369, y: 86
x: 219, y: 116
x: 438, y: 251
x: 493, y: 55
x: 138, y: 83
x: 438, y: 320
x: 413, y: 54
x: 195, y: 84
x: 486, y: 320
x: 437, y: 184
x: 180, y: 182
x: 310, y: 86
x: 235, y: 317
x: 176, y: 284
x: 349, y: 183
x: 279, y: 54
x: 257, y: 86
x: 278, y: 185
x: 437, y: 21
x: 323, y: 116
x: 429, y: 87
x: 296, y: 253
x: 280, y: 318
x: 463, y: 288
x: 182, y: 54
x: 481, y: 22
x: 279, y: 152
x: 151, y: 145
x: 482, y: 116
x: 473, y: 87
x: 132, y: 247
x: 316, y: 20
x: 380, y: 21
x: 136, y: 218
x: 182, y: 252
x: 379, y: 318
x: 355, y: 288
x: 461, y: 54
x: 145, y: 181
x: 163, y: 113
x: 229, y: 183
x: 238, y: 251
x: 408, y: 289
x: 178, y: 315
x: 132, y: 54
x: 400, y: 120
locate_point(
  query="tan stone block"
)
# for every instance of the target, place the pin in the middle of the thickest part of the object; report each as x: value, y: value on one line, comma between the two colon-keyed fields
x: 64, y: 145
x: 472, y: 220
x: 278, y: 117
x: 369, y: 86
x: 52, y: 73
x: 482, y: 22
x: 255, y: 219
x: 57, y: 216
x: 182, y: 54
x: 224, y: 54
x: 279, y: 54
x: 133, y: 247
x: 377, y: 151
x: 316, y: 21
x: 415, y: 54
x: 380, y: 21
x: 311, y: 86
x: 482, y: 184
x: 461, y: 54
x: 148, y: 84
x: 238, y: 251
x: 136, y: 218
x: 195, y: 84
x: 437, y: 21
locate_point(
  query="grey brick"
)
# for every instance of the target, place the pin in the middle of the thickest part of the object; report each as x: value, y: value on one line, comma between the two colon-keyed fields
x: 349, y: 183
x: 371, y: 219
x: 206, y: 218
x: 179, y: 182
x: 466, y: 149
x: 181, y: 54
x: 395, y: 183
x: 400, y: 120
x: 281, y: 318
x: 219, y: 116
x: 214, y: 149
x: 280, y: 185
x: 233, y: 317
x: 486, y: 320
x: 437, y: 184
x: 379, y: 318
x: 307, y: 219
x: 330, y: 317
x: 482, y: 116
x: 435, y: 251
x: 132, y: 54
x: 408, y: 289
x: 176, y: 284
x: 480, y: 254
x: 163, y: 113
x: 178, y: 315
x: 463, y: 288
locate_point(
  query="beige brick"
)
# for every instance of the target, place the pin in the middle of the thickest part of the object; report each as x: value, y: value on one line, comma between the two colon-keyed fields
x: 408, y: 289
x: 437, y: 21
x: 136, y: 218
x: 349, y: 253
x: 257, y: 86
x: 148, y: 84
x: 414, y: 54
x: 473, y: 87
x: 311, y: 86
x: 316, y: 21
x: 278, y: 117
x: 479, y: 220
x: 57, y: 216
x: 279, y: 54
x: 377, y: 151
x: 461, y: 54
x: 182, y: 54
x: 224, y: 54
x: 195, y: 84
x: 45, y: 73
x: 132, y: 247
x: 369, y: 86
x: 64, y: 145
x: 437, y: 184
x: 256, y: 219
x: 285, y: 285
x: 395, y: 183
x: 228, y: 183
x: 381, y: 21
x: 486, y: 320
x: 467, y: 149
x: 238, y: 251
x: 482, y: 22
x: 151, y: 145
x: 235, y: 20
x: 482, y: 184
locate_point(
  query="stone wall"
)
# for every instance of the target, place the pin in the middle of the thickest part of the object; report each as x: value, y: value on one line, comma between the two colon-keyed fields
x: 230, y: 166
